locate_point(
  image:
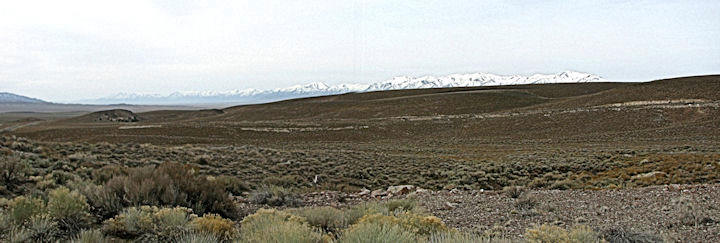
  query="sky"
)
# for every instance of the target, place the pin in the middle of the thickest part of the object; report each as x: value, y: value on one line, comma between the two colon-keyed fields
x: 79, y: 49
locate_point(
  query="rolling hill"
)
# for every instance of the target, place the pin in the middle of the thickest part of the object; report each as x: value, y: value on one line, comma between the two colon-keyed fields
x: 679, y: 109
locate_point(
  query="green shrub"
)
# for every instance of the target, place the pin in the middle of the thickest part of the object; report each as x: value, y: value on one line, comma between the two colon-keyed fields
x: 22, y: 208
x: 69, y: 208
x: 274, y: 196
x: 270, y: 225
x: 90, y: 236
x: 215, y: 225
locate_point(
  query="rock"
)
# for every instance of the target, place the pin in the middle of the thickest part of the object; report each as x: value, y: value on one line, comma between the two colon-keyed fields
x: 400, y: 190
x: 364, y: 192
x: 449, y: 205
x: 649, y: 174
x: 378, y: 193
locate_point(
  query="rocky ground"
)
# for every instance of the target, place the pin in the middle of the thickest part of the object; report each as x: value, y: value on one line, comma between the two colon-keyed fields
x: 681, y: 213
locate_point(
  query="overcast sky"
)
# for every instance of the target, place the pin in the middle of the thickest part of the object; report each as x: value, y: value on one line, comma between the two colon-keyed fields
x: 70, y: 50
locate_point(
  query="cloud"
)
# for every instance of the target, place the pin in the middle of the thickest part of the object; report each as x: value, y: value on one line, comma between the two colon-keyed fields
x: 95, y: 48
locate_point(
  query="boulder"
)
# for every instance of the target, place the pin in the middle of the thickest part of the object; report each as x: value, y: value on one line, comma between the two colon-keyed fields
x: 400, y: 190
x: 378, y: 193
x: 364, y: 192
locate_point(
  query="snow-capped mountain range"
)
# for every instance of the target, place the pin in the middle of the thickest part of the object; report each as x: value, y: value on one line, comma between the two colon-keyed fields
x: 248, y: 96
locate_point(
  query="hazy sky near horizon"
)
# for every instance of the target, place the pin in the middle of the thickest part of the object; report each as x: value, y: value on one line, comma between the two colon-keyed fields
x: 78, y: 49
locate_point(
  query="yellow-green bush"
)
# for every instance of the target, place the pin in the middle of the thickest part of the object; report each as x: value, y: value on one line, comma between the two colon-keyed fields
x: 69, y: 208
x: 22, y: 208
x: 378, y: 232
x: 90, y: 236
x: 416, y: 224
x: 215, y: 225
x: 270, y: 225
x: 328, y: 219
x: 131, y: 223
x: 549, y: 233
x: 150, y: 222
x: 198, y: 238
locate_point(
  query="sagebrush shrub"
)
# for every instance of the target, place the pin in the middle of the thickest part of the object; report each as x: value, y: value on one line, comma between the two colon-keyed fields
x: 526, y: 202
x: 90, y: 236
x: 22, y: 208
x: 12, y: 172
x: 416, y: 224
x: 69, y: 208
x: 328, y: 219
x: 131, y: 223
x: 270, y: 225
x: 232, y: 184
x: 513, y: 191
x: 39, y: 228
x: 103, y: 203
x: 377, y: 232
x: 172, y: 184
x: 276, y: 196
x: 198, y: 238
x: 150, y: 222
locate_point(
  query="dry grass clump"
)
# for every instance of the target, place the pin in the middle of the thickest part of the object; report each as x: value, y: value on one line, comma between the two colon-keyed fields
x: 622, y: 235
x: 513, y: 191
x: 213, y: 224
x: 90, y: 236
x: 553, y: 234
x: 269, y: 225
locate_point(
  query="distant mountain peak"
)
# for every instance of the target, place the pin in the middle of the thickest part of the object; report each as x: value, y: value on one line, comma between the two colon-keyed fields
x: 248, y: 96
x: 6, y: 97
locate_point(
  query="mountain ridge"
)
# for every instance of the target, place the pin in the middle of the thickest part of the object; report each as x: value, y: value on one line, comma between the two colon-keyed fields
x: 251, y: 95
x: 6, y: 97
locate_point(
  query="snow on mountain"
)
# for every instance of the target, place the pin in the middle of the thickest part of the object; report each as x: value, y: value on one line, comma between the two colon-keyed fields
x: 248, y: 96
